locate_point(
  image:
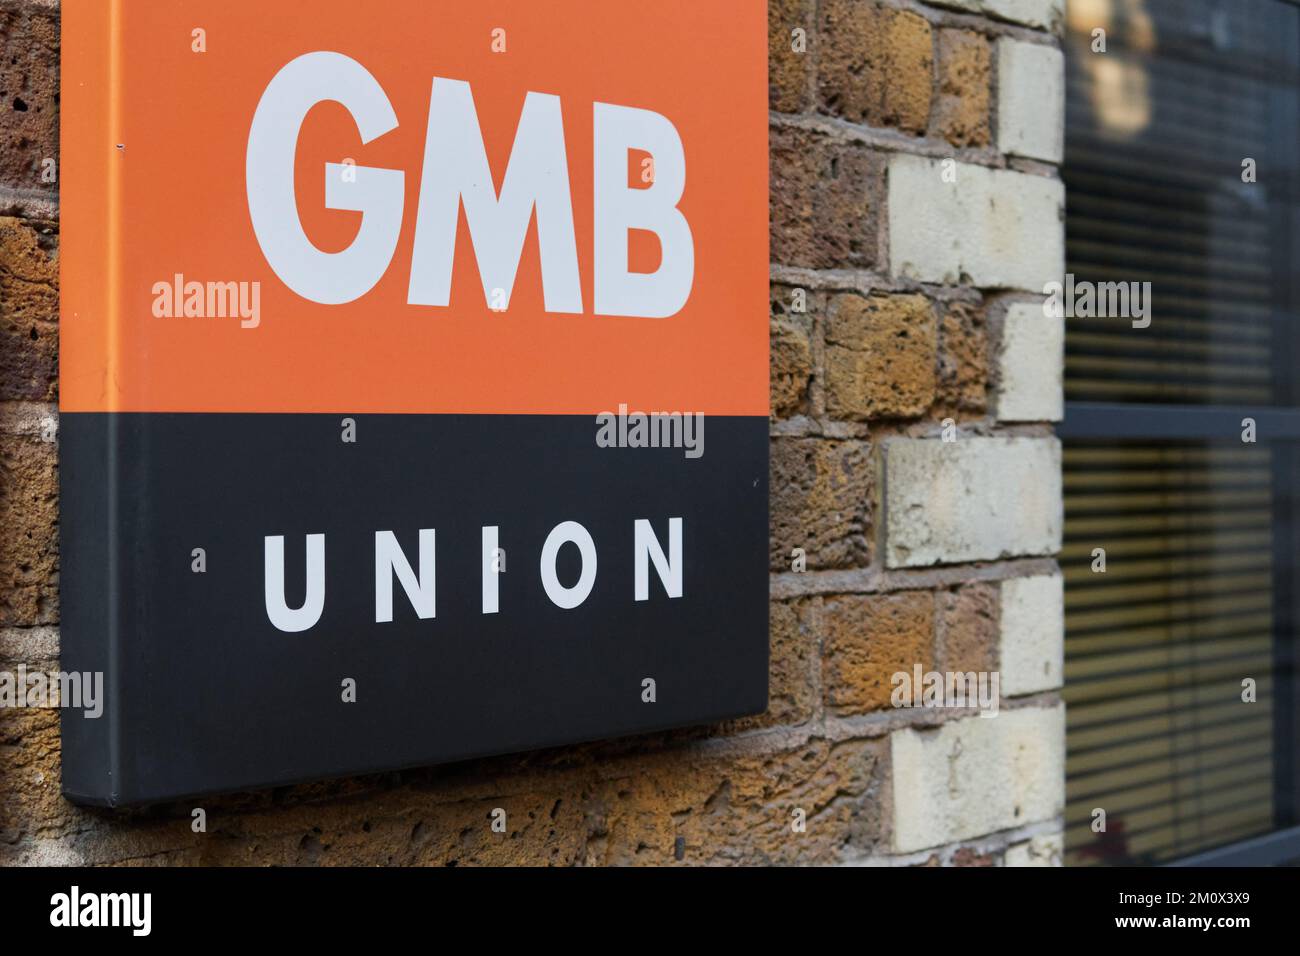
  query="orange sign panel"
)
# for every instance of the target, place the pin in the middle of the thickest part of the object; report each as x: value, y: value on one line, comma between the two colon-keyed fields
x: 482, y: 208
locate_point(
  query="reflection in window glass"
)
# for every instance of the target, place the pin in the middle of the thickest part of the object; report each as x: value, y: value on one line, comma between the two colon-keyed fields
x: 1157, y: 646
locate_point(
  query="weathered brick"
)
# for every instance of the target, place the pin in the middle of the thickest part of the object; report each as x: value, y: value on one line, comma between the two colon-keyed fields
x: 1034, y: 13
x: 976, y: 775
x: 961, y: 105
x: 741, y: 809
x: 29, y: 311
x: 875, y: 64
x: 787, y: 69
x: 793, y: 310
x: 35, y: 646
x: 820, y: 502
x: 791, y: 368
x: 542, y: 827
x: 546, y: 824
x: 974, y: 499
x: 29, y: 522
x: 791, y: 690
x: 963, y: 358
x: 1032, y: 634
x: 994, y: 228
x: 823, y: 208
x: 970, y: 857
x: 1031, y: 100
x: 880, y: 356
x: 868, y: 639
x: 29, y: 94
x: 1031, y: 362
x: 29, y: 775
x: 730, y: 807
x: 968, y: 629
x: 1046, y: 849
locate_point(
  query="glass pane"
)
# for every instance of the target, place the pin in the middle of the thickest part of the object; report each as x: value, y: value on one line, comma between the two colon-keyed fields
x: 1157, y: 130
x: 1158, y: 644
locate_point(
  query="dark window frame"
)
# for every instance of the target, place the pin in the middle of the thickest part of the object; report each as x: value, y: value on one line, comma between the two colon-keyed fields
x: 1278, y: 427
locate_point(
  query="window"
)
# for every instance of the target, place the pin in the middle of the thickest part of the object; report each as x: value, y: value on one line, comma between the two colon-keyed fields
x: 1181, y: 171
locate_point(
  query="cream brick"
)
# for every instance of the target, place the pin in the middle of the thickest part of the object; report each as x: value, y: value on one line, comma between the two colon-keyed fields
x: 996, y: 228
x: 1032, y: 643
x: 1034, y: 13
x: 1046, y: 849
x: 976, y: 776
x: 1031, y: 100
x: 1030, y: 364
x: 974, y: 499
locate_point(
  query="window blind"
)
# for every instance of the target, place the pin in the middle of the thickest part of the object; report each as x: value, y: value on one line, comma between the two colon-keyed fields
x: 1197, y: 535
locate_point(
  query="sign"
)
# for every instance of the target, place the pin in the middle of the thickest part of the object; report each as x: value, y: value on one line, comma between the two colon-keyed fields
x: 413, y: 382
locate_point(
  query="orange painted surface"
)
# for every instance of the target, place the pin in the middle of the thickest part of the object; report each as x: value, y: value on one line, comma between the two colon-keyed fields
x: 172, y: 200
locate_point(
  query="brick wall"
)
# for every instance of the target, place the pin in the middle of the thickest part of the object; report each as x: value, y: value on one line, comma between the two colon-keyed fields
x: 903, y: 313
